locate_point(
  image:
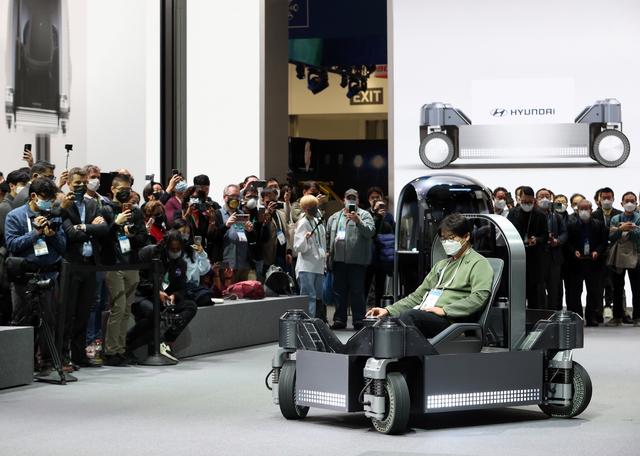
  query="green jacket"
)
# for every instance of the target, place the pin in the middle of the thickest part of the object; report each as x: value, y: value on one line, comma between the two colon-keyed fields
x: 615, y: 234
x: 464, y: 296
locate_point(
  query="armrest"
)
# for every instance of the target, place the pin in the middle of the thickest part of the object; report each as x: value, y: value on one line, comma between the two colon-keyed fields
x: 454, y: 331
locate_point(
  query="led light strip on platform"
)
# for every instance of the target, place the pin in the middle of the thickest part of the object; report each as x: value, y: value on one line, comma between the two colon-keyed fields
x: 482, y: 398
x: 322, y: 398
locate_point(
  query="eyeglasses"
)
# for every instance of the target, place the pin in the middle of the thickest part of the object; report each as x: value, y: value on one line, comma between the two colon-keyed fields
x: 451, y: 237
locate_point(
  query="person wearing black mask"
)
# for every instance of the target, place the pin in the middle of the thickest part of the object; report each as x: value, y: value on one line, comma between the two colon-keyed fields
x: 171, y: 252
x: 531, y: 223
x: 587, y: 243
x: 127, y: 234
x: 85, y: 228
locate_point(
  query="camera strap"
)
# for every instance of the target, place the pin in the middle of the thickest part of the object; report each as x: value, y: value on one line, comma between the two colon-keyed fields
x: 40, y: 247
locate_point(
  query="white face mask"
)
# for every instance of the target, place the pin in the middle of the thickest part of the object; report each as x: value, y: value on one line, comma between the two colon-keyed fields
x: 584, y: 215
x: 544, y: 203
x: 527, y: 207
x: 451, y: 247
x: 93, y: 184
x: 607, y: 204
x: 500, y: 204
x: 562, y: 209
x: 251, y: 203
x: 630, y: 207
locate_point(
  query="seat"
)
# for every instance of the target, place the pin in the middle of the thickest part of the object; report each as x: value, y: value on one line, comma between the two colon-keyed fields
x: 456, y: 338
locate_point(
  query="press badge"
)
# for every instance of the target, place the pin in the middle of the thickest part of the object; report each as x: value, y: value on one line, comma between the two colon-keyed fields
x: 321, y: 252
x: 281, y: 239
x: 125, y: 245
x: 40, y: 248
x: 431, y: 299
x: 341, y: 235
x: 242, y: 236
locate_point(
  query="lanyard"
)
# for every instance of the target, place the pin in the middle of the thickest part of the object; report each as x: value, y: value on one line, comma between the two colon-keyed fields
x: 439, y: 284
x: 29, y: 224
x: 82, y: 210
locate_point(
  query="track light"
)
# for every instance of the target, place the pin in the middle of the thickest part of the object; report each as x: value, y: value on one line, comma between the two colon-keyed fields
x: 344, y: 79
x: 317, y: 80
x: 355, y: 86
x: 300, y: 71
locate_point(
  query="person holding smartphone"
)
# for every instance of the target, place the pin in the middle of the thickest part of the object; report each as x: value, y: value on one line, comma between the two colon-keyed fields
x: 236, y: 234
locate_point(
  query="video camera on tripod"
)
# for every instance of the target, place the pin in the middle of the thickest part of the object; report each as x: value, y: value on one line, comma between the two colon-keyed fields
x: 20, y: 270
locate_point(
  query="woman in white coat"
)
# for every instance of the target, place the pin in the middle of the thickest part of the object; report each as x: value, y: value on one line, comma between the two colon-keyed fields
x: 310, y: 242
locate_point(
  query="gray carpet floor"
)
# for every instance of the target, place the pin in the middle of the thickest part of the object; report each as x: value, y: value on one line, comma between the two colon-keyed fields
x: 218, y: 405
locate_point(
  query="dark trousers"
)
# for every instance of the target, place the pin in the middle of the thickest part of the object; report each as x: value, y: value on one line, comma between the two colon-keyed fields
x: 428, y: 323
x: 142, y: 331
x: 6, y: 307
x: 618, y: 290
x: 591, y: 274
x: 80, y: 300
x: 378, y: 277
x: 535, y: 294
x: 348, y: 288
x: 552, y: 282
x: 27, y: 310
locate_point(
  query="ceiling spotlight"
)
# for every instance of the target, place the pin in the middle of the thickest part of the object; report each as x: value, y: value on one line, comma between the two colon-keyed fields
x: 355, y: 87
x: 299, y: 71
x: 344, y: 79
x: 317, y: 80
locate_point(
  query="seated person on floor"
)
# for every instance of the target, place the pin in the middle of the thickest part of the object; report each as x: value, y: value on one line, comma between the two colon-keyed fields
x: 455, y: 290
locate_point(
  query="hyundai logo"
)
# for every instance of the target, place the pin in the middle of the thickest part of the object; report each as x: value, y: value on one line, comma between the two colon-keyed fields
x: 498, y: 112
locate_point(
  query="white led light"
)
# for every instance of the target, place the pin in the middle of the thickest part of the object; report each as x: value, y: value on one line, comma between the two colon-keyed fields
x: 482, y: 398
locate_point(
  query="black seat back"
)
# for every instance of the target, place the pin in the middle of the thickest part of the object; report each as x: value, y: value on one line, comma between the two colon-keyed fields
x: 497, y: 265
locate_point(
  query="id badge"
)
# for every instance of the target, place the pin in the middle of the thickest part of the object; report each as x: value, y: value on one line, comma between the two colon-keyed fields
x: 281, y: 239
x: 40, y: 248
x: 431, y: 299
x: 341, y: 235
x: 242, y: 236
x: 321, y: 252
x: 125, y: 245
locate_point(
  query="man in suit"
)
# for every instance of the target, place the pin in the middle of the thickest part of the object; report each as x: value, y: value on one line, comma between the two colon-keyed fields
x: 84, y: 226
x: 531, y: 223
x: 587, y: 244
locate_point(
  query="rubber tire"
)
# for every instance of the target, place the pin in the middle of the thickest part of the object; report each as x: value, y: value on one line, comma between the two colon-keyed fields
x: 450, y: 155
x: 287, y: 393
x: 596, y: 148
x: 582, y: 390
x: 397, y: 418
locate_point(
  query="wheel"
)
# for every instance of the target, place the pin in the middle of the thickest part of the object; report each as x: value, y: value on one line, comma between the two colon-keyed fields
x: 436, y: 150
x: 287, y: 393
x: 397, y: 408
x: 581, y: 396
x: 611, y: 148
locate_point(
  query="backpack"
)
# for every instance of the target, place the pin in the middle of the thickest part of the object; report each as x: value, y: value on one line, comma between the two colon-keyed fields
x: 249, y: 289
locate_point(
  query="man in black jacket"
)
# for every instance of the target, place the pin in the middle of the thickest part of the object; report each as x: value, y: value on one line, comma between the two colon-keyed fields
x: 531, y: 223
x: 587, y: 244
x: 127, y: 235
x: 85, y: 228
x: 604, y: 214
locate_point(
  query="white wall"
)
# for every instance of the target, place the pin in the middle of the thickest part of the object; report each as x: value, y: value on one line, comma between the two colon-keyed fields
x: 223, y: 91
x: 438, y: 49
x: 123, y: 86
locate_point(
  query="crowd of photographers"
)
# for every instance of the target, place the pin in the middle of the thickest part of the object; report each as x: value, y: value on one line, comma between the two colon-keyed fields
x: 593, y: 247
x: 203, y: 247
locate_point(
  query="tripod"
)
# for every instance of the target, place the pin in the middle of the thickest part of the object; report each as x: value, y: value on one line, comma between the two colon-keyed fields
x: 36, y: 287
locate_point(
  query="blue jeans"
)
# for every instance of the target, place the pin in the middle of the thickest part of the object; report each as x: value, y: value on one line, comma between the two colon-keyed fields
x: 94, y: 326
x: 348, y: 287
x: 311, y: 285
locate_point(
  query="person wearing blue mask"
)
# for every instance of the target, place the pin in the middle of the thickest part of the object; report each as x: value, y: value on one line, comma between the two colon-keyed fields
x: 34, y: 233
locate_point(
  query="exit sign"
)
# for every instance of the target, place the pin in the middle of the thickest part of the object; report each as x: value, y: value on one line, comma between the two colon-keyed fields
x: 372, y: 96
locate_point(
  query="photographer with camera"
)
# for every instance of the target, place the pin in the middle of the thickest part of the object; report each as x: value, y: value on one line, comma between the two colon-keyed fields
x: 85, y: 228
x: 32, y: 232
x: 273, y: 233
x: 382, y: 254
x: 350, y: 232
x: 204, y: 219
x: 235, y: 235
x: 40, y: 168
x: 155, y: 220
x: 177, y: 308
x: 127, y: 235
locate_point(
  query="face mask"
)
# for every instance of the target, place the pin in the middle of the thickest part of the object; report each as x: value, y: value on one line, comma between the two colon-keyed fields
x: 630, y: 207
x: 194, y: 201
x: 174, y: 255
x: 233, y: 203
x: 607, y: 204
x: 451, y: 247
x: 527, y: 207
x: 44, y: 205
x: 93, y: 184
x: 562, y: 209
x: 584, y: 215
x: 500, y: 204
x: 313, y: 211
x: 19, y: 188
x: 157, y: 195
x: 544, y: 203
x: 181, y: 187
x: 251, y: 203
x: 185, y: 237
x: 79, y: 192
x: 123, y: 195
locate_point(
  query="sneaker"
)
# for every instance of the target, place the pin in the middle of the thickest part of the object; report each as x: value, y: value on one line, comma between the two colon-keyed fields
x: 358, y: 325
x: 338, y: 325
x: 165, y: 351
x: 90, y: 350
x: 114, y: 360
x: 608, y: 313
x: 636, y: 322
x: 130, y: 359
x: 626, y: 320
x: 614, y: 322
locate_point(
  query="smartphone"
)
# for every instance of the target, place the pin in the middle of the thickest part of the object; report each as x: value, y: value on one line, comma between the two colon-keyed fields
x: 27, y: 147
x: 242, y: 218
x: 197, y: 240
x: 176, y: 171
x: 351, y: 207
x: 68, y: 147
x: 280, y: 205
x: 126, y: 207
